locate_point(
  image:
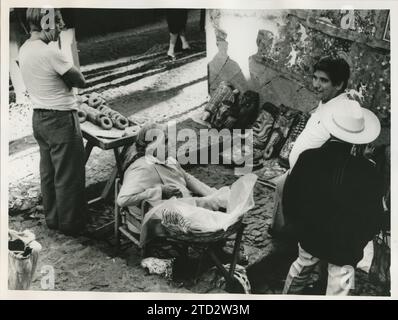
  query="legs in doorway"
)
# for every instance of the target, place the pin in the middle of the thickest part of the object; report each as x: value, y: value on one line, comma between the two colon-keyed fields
x: 172, y: 44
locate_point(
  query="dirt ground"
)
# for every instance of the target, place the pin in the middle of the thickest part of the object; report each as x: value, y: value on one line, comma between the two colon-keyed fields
x: 83, y: 264
x: 131, y: 71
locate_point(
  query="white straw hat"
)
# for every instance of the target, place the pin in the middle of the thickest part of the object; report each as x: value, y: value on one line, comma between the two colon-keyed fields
x: 348, y: 121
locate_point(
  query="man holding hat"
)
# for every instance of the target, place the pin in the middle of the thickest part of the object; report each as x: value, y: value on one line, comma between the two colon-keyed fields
x: 333, y: 199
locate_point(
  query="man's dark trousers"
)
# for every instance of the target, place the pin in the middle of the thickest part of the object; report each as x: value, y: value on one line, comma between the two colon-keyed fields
x: 62, y: 169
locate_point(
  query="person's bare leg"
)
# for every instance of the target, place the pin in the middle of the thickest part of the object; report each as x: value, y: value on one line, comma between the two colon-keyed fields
x: 184, y: 41
x: 172, y: 44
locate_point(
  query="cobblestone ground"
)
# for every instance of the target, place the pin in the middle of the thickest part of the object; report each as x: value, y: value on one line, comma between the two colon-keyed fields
x: 83, y: 264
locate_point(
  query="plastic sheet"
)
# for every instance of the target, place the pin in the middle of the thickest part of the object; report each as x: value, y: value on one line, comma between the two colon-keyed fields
x: 186, y: 215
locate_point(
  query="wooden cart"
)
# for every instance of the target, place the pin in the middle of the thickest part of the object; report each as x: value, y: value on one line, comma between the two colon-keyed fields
x: 128, y: 225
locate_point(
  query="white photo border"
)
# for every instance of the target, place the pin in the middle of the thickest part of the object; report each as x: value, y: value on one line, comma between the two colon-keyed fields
x: 231, y: 4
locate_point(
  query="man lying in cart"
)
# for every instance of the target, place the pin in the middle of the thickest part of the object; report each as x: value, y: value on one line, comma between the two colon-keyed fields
x: 152, y: 176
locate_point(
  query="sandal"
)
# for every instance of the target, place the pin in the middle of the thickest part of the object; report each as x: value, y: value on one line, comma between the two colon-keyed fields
x: 188, y: 49
x: 171, y: 57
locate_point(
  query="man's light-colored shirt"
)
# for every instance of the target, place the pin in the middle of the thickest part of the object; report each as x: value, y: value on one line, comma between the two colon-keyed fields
x: 314, y: 134
x: 42, y: 66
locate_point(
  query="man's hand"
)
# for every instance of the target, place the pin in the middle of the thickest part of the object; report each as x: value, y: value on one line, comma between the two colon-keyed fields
x: 206, y: 116
x: 368, y: 153
x: 169, y: 191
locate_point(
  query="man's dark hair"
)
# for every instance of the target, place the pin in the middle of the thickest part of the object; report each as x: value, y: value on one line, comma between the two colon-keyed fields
x: 337, y: 69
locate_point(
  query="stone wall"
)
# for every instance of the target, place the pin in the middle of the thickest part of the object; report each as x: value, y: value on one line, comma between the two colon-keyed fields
x: 273, y: 51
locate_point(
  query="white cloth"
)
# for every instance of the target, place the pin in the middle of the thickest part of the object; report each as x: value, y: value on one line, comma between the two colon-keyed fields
x: 186, y: 215
x: 314, y: 134
x: 368, y: 253
x: 42, y: 66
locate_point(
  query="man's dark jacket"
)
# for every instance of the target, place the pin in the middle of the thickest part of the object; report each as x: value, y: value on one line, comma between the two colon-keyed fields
x: 333, y: 202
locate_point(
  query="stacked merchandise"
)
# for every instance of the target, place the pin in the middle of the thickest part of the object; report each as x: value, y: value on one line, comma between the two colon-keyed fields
x: 297, y: 127
x: 94, y: 109
x: 275, y: 128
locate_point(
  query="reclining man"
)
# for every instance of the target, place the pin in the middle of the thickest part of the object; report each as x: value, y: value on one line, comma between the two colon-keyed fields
x: 151, y: 176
